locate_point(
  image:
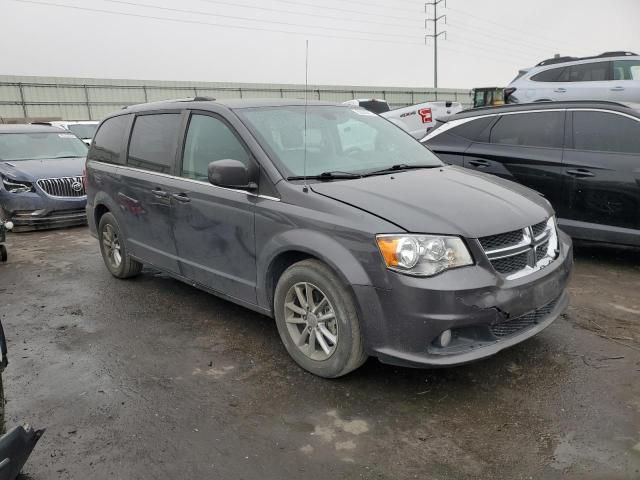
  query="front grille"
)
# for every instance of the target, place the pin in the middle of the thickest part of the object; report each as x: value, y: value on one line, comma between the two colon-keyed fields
x: 541, y: 250
x: 63, y: 186
x: 519, y: 251
x: 539, y: 228
x: 511, y: 264
x: 501, y: 240
x: 523, y: 322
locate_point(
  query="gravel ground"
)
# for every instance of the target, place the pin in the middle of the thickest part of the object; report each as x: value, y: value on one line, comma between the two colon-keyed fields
x: 150, y: 378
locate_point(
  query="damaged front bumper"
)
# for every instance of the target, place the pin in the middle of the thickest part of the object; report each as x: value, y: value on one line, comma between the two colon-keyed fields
x: 36, y: 211
x: 484, y: 312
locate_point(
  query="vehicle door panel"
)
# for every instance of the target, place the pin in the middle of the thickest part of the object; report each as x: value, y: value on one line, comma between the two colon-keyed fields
x: 516, y: 150
x: 144, y: 197
x: 214, y: 226
x: 603, y: 186
x: 625, y: 86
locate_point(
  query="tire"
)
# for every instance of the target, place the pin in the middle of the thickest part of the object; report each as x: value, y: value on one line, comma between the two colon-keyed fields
x: 346, y: 353
x: 120, y: 265
x: 3, y: 257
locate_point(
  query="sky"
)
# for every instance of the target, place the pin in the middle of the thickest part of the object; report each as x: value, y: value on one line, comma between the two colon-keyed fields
x: 351, y: 42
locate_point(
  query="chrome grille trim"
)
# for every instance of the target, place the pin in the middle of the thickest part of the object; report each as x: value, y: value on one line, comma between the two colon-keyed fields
x: 536, y: 250
x: 63, y: 187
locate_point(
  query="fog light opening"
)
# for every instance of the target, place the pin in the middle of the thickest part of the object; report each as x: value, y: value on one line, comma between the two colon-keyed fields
x: 445, y: 338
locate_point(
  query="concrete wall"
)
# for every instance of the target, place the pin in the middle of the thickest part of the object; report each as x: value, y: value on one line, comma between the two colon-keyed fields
x: 48, y: 98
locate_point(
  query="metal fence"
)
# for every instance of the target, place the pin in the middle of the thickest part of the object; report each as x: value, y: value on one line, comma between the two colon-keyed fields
x: 49, y: 98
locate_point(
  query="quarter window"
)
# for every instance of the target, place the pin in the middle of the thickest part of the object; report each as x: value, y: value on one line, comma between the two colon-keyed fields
x: 605, y: 132
x: 153, y: 142
x: 626, y: 69
x: 209, y: 139
x: 542, y: 129
x: 550, y: 75
x: 474, y: 129
x: 108, y: 143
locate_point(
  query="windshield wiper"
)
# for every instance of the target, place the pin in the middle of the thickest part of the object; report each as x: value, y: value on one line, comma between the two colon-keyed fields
x: 399, y: 166
x: 332, y: 175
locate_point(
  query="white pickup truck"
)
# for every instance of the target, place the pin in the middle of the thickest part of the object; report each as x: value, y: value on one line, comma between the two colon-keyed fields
x: 416, y: 119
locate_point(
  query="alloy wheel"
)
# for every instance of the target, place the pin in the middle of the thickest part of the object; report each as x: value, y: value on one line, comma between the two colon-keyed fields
x: 111, y: 244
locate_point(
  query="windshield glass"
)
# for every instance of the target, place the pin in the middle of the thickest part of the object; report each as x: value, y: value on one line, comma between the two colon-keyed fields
x: 83, y: 130
x: 351, y: 140
x: 36, y: 146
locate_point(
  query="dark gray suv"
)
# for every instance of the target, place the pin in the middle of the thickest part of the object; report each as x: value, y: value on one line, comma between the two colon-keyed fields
x: 355, y: 237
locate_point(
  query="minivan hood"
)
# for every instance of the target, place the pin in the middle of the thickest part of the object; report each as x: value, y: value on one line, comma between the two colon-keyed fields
x: 31, y: 170
x: 447, y: 200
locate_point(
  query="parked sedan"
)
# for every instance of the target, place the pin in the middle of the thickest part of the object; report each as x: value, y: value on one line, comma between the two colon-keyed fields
x: 583, y: 156
x: 41, y: 185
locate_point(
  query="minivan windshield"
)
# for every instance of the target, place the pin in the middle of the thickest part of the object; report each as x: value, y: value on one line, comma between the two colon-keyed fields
x: 348, y: 140
x: 39, y: 146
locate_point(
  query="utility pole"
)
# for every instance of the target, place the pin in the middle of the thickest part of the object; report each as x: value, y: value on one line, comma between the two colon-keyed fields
x: 435, y: 34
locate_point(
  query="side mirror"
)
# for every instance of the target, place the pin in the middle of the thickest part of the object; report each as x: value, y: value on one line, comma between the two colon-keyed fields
x: 231, y: 174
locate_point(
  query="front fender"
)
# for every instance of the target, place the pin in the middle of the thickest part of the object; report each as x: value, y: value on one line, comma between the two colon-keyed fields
x: 315, y: 244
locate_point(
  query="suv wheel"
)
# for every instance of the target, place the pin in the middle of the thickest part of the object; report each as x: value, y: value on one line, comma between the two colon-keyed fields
x: 114, y: 250
x: 317, y: 320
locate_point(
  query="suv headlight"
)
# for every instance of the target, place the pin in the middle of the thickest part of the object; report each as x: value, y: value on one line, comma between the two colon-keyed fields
x: 16, y: 186
x: 423, y: 255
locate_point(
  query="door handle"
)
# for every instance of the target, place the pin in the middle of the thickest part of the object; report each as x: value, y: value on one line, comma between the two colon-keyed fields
x: 617, y: 89
x: 159, y: 193
x: 560, y: 90
x: 479, y: 163
x: 181, y: 197
x: 580, y: 172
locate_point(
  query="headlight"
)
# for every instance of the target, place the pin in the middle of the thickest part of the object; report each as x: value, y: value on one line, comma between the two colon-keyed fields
x: 16, y: 186
x: 423, y: 255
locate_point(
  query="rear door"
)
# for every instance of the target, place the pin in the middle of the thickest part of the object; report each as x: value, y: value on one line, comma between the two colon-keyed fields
x: 602, y: 169
x: 214, y: 226
x: 586, y: 81
x: 525, y: 147
x: 450, y: 145
x: 145, y: 193
x: 625, y: 86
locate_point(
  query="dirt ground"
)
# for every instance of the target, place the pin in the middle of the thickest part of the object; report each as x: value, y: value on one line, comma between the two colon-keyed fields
x: 150, y: 378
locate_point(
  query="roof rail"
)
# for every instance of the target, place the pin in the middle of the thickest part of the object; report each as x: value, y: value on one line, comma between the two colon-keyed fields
x: 190, y: 99
x: 550, y: 103
x: 551, y: 61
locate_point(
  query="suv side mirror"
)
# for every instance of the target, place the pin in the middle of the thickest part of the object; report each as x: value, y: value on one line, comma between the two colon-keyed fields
x: 231, y: 174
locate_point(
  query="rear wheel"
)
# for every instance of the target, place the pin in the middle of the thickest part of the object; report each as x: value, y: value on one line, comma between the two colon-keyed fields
x: 114, y: 250
x: 317, y: 320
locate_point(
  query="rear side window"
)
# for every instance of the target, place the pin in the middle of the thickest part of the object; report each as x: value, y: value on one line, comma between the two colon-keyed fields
x: 542, y: 129
x: 209, y: 139
x: 153, y: 142
x: 108, y: 144
x: 551, y: 75
x: 605, y: 132
x: 626, y: 69
x: 586, y: 72
x: 474, y: 129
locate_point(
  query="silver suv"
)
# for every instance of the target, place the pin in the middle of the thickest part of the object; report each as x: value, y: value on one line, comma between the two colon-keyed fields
x: 611, y: 76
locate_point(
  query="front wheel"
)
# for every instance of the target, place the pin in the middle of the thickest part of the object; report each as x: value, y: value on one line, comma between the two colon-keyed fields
x: 114, y: 250
x: 317, y: 320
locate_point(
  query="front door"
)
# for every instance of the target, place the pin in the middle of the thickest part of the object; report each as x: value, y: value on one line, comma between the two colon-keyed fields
x: 525, y: 148
x: 214, y: 226
x: 144, y: 196
x: 602, y: 169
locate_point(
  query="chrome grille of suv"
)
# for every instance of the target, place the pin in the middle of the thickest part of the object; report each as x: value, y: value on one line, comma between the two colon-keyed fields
x: 527, y: 320
x: 518, y: 252
x: 63, y: 186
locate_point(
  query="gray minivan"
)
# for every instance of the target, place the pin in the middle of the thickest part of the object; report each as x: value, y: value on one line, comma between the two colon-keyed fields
x: 356, y: 238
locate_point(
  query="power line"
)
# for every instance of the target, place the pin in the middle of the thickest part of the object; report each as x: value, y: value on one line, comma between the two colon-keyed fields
x: 359, y: 12
x: 478, y: 31
x: 513, y: 50
x: 315, y: 15
x: 508, y: 27
x: 435, y: 35
x: 197, y: 22
x: 274, y: 22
